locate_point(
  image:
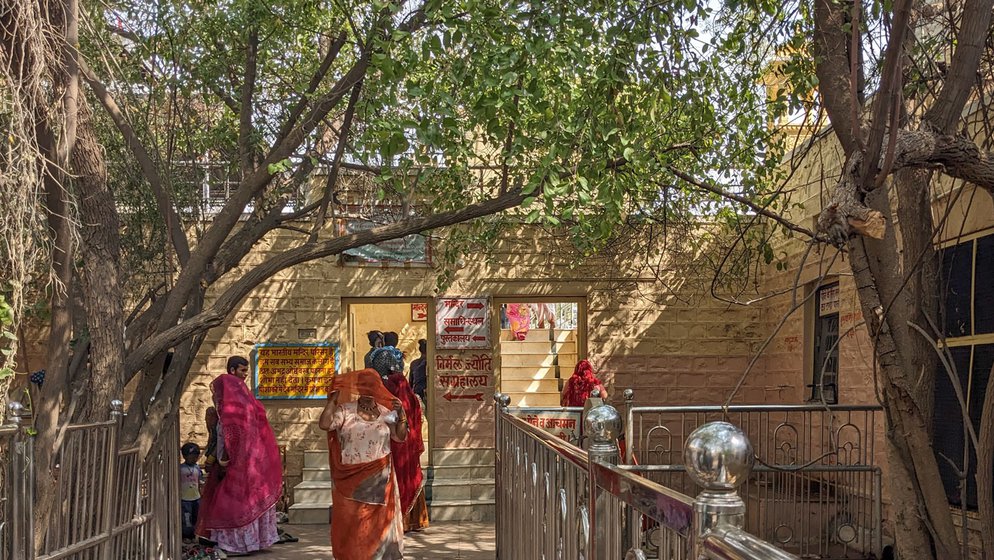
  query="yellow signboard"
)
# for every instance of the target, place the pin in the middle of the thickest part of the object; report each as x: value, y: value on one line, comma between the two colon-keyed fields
x: 293, y: 371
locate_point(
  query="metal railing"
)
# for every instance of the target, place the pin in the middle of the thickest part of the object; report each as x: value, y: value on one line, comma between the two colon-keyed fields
x: 109, y: 504
x: 817, y: 488
x: 557, y: 501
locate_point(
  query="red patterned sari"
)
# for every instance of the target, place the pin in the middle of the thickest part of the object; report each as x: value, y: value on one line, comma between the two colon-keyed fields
x: 238, y: 502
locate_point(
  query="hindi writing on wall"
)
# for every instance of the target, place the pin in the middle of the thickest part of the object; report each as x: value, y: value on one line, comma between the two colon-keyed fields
x: 293, y: 371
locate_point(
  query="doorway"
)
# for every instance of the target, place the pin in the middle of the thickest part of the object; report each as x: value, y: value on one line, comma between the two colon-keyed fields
x: 541, y: 340
x: 406, y: 317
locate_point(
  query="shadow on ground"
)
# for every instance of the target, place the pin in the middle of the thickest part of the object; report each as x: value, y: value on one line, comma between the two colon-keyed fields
x: 448, y: 541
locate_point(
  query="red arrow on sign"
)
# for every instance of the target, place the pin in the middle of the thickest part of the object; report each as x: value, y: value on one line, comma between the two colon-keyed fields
x: 454, y: 329
x: 476, y: 397
x: 479, y: 338
x: 474, y: 306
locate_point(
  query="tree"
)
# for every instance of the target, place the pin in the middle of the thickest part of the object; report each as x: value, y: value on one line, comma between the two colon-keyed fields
x: 558, y: 105
x: 592, y: 117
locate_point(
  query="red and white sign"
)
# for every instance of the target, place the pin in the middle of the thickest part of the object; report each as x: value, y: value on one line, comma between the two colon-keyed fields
x: 564, y: 425
x: 419, y: 312
x: 462, y: 323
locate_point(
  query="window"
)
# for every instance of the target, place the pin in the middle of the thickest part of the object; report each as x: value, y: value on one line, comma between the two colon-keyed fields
x: 825, y: 378
x: 410, y: 250
x: 968, y: 319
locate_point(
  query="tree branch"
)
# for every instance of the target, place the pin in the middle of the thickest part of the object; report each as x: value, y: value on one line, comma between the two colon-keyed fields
x: 956, y: 156
x: 316, y: 79
x: 746, y: 202
x: 246, y: 152
x: 888, y: 96
x: 970, y: 44
x: 332, y: 182
x: 833, y: 69
x: 228, y: 300
x: 149, y: 170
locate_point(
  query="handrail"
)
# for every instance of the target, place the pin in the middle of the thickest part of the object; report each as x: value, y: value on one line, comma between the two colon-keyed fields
x: 763, y: 408
x: 718, y: 456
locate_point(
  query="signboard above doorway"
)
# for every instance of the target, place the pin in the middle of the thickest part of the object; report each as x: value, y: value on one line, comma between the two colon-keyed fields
x: 293, y: 371
x: 419, y: 312
x: 462, y: 323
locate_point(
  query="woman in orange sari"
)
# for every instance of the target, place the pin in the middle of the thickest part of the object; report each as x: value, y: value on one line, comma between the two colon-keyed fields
x: 362, y: 417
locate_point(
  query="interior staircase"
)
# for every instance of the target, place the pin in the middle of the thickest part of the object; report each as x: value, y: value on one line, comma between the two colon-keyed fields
x: 528, y: 368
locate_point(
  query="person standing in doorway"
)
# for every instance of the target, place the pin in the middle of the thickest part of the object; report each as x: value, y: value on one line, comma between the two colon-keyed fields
x: 419, y: 373
x: 391, y: 339
x: 238, y: 504
x: 375, y: 343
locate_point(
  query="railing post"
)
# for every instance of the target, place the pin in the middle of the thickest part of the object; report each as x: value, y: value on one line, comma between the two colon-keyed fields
x: 719, y: 457
x: 602, y: 424
x: 501, y: 402
x: 629, y: 395
x: 21, y: 477
x: 111, y: 482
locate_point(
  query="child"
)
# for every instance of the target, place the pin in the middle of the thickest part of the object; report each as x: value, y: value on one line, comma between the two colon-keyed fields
x: 190, y: 478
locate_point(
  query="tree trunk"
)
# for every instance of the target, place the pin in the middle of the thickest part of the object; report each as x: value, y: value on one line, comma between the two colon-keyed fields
x: 101, y: 256
x: 897, y: 288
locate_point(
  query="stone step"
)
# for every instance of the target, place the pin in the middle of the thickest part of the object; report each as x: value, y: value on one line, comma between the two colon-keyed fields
x: 462, y: 510
x: 538, y: 335
x: 316, y: 474
x: 526, y: 373
x: 465, y: 489
x: 312, y: 492
x: 316, y: 459
x: 538, y: 360
x: 512, y: 386
x: 535, y: 399
x: 310, y: 514
x: 509, y: 347
x: 461, y: 472
x: 463, y: 457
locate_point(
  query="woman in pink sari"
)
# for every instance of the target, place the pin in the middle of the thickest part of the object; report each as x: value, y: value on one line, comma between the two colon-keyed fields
x: 238, y: 503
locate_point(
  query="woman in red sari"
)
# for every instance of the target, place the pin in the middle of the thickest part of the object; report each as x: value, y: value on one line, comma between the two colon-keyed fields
x: 389, y: 363
x: 579, y: 386
x: 362, y: 418
x: 238, y: 504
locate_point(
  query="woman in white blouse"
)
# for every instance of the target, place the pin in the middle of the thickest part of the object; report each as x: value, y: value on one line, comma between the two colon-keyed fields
x: 361, y: 418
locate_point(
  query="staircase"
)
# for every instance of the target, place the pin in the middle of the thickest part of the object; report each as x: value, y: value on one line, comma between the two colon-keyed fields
x: 528, y: 372
x: 312, y: 497
x: 461, y: 485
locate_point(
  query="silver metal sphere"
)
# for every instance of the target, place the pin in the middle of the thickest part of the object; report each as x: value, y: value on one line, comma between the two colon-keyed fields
x: 602, y: 423
x: 718, y: 456
x: 502, y: 400
x: 15, y: 411
x: 629, y: 394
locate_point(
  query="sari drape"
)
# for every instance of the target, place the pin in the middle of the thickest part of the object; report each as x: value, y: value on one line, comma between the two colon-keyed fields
x: 253, y: 479
x: 579, y: 385
x: 407, y: 454
x: 365, y: 500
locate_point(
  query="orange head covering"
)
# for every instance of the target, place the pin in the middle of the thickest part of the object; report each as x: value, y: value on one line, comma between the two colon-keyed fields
x: 362, y: 383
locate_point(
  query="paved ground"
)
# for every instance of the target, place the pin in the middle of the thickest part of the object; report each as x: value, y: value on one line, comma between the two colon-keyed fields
x: 445, y: 541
